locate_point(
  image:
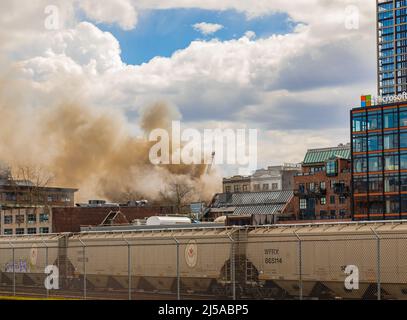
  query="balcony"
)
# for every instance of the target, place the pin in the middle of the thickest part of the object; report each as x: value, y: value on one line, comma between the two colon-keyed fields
x: 342, y: 190
x: 310, y: 193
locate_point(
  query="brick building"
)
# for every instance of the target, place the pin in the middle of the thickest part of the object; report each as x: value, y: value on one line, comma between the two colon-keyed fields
x: 47, y: 219
x: 322, y: 190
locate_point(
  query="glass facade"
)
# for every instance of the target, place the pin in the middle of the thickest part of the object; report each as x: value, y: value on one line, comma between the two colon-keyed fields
x: 379, y: 158
x: 392, y: 46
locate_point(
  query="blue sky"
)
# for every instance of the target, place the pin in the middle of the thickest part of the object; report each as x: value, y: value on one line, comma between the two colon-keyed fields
x: 162, y: 32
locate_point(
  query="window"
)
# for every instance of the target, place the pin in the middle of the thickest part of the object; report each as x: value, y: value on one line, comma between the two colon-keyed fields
x: 360, y: 165
x: 392, y: 205
x: 301, y: 187
x: 50, y: 198
x: 322, y: 185
x: 44, y: 217
x: 391, y: 141
x: 374, y: 121
x: 359, y: 123
x: 20, y: 231
x: 391, y: 162
x: 333, y: 214
x: 403, y: 161
x: 332, y: 168
x: 228, y: 189
x: 391, y: 183
x: 44, y: 230
x: 323, y: 201
x: 390, y: 119
x: 403, y: 140
x: 32, y: 218
x: 359, y: 144
x: 374, y: 143
x: 376, y: 205
x: 245, y: 188
x: 256, y: 187
x: 303, y: 204
x: 236, y: 188
x: 360, y: 185
x: 8, y: 232
x: 32, y: 230
x: 375, y: 164
x: 274, y: 186
x: 375, y: 183
x: 332, y: 200
x: 342, y: 200
x: 312, y: 186
x: 266, y: 186
x: 8, y: 219
x: 20, y: 219
x: 403, y: 118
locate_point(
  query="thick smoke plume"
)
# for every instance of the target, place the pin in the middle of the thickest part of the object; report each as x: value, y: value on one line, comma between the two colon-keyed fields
x: 92, y: 148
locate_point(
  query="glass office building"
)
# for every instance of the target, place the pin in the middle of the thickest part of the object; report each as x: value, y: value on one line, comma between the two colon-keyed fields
x: 379, y: 162
x: 392, y: 46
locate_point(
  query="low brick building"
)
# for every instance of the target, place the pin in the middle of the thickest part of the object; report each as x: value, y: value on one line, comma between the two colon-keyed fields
x: 322, y: 190
x: 47, y: 219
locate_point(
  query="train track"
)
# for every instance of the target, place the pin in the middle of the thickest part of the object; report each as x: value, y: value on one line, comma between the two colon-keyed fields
x: 35, y: 293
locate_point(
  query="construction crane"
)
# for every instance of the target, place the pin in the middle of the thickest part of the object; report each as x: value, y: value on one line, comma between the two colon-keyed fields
x: 208, y: 169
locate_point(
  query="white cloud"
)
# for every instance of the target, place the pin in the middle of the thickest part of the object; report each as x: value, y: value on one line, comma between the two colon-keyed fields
x: 207, y: 28
x: 295, y: 88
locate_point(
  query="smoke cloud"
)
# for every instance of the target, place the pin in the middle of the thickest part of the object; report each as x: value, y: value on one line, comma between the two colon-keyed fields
x: 92, y: 148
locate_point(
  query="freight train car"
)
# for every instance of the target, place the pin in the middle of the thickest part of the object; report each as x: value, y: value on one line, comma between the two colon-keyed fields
x: 324, y: 252
x: 155, y: 258
x: 23, y: 259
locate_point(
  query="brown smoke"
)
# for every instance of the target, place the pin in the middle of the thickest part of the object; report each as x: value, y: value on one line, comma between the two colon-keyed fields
x: 92, y: 149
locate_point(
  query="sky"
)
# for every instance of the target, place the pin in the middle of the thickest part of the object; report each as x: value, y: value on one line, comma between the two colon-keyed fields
x: 290, y: 69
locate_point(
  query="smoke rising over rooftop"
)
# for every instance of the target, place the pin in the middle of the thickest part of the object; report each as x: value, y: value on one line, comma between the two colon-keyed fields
x: 91, y: 148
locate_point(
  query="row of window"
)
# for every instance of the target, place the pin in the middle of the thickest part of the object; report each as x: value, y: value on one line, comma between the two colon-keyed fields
x: 312, y: 186
x: 31, y: 218
x: 322, y: 201
x: 375, y: 120
x: 380, y: 205
x: 379, y: 184
x: 378, y: 163
x: 12, y: 196
x: 256, y: 187
x: 378, y: 142
x: 21, y: 231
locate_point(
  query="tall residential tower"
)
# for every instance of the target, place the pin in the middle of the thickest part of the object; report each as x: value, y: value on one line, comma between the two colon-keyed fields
x: 392, y: 46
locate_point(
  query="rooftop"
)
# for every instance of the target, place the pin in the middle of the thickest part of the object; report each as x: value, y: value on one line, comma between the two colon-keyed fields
x: 317, y: 156
x: 247, y: 203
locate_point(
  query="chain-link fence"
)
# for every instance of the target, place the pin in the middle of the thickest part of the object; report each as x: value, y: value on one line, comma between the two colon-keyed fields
x: 337, y: 261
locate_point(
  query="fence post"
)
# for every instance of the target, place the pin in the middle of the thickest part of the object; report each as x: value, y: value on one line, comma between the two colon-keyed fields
x: 128, y: 265
x: 46, y: 261
x: 84, y: 269
x: 232, y: 267
x: 300, y: 263
x: 379, y: 280
x: 14, y: 270
x: 178, y: 271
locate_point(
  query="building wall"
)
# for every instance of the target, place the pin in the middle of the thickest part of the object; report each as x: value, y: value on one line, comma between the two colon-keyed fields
x: 21, y: 220
x: 274, y: 178
x: 236, y: 184
x: 71, y: 219
x: 23, y: 196
x: 379, y: 156
x: 323, y: 210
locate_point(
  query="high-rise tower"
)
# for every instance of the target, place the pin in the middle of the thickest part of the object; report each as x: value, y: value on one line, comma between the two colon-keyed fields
x: 392, y: 46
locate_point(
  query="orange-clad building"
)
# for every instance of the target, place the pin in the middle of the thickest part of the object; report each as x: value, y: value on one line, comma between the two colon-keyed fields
x: 379, y: 158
